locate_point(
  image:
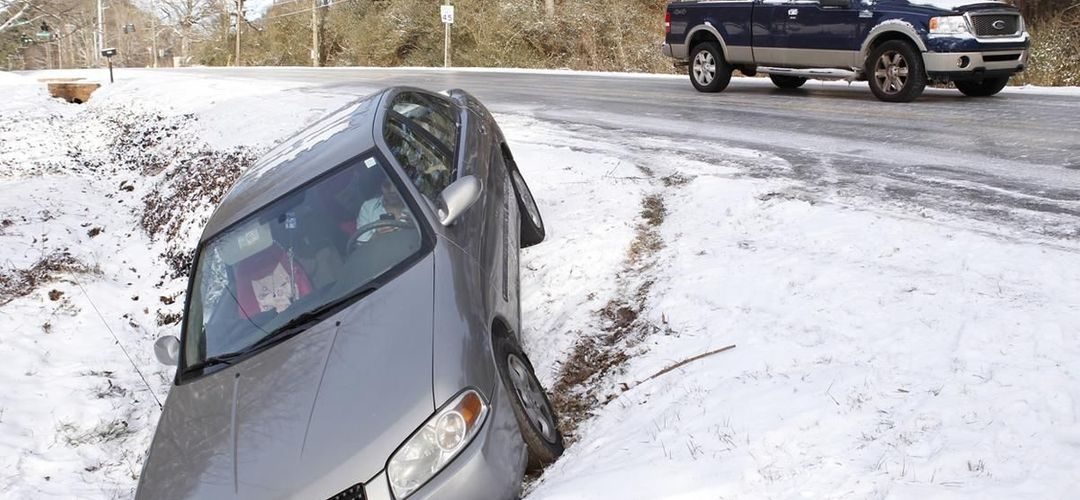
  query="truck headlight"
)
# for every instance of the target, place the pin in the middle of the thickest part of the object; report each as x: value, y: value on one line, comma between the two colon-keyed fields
x: 440, y: 439
x: 948, y: 25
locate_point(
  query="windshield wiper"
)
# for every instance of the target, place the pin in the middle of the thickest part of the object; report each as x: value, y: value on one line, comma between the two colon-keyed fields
x: 284, y: 332
x: 303, y: 321
x: 221, y: 359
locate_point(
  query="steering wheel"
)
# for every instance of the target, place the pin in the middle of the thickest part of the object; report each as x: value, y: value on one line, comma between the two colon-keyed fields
x: 354, y: 240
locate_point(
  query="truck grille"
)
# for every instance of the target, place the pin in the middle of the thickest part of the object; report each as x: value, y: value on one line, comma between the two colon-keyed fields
x: 991, y: 25
x: 355, y: 492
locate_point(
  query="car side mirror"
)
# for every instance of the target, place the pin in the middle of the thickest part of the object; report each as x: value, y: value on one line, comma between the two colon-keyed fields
x: 167, y: 350
x: 457, y: 198
x: 840, y: 4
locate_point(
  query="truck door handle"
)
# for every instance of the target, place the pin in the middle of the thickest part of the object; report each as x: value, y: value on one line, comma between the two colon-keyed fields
x: 793, y: 12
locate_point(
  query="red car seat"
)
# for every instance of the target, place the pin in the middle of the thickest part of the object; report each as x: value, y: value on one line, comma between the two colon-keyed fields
x: 260, y: 266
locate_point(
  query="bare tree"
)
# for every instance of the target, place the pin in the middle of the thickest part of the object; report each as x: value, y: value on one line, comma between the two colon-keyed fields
x: 16, y: 12
x: 190, y: 18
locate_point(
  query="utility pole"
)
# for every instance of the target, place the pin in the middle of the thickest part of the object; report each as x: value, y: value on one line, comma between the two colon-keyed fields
x: 100, y: 30
x: 239, y: 23
x: 315, y: 33
x: 153, y: 40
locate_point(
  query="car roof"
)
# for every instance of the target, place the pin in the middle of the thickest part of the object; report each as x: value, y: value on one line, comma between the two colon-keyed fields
x: 327, y: 143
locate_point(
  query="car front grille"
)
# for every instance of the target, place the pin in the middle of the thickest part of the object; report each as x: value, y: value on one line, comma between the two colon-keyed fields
x: 354, y: 492
x: 991, y: 25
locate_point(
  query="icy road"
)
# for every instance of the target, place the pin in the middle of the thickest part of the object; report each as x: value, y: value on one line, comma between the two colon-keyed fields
x: 985, y: 156
x: 899, y: 281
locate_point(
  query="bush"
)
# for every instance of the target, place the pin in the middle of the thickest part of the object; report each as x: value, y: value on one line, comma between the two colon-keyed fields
x: 1055, y: 51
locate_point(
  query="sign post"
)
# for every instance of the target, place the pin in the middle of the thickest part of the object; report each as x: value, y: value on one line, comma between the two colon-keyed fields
x: 447, y: 14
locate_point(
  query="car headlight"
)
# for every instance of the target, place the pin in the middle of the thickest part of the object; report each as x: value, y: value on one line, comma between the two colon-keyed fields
x: 948, y: 25
x: 440, y: 439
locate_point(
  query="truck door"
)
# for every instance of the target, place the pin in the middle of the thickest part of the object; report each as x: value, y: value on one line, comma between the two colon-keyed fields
x: 767, y: 26
x: 821, y: 33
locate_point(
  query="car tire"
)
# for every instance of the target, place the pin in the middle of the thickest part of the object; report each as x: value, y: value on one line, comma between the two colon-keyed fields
x: 982, y: 88
x: 532, y: 223
x: 532, y: 408
x: 896, y: 72
x: 709, y: 72
x: 787, y: 82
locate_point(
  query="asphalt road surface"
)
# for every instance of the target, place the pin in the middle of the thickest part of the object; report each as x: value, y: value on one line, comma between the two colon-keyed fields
x: 1010, y: 159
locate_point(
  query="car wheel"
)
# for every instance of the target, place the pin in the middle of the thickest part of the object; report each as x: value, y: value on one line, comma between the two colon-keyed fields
x: 896, y: 73
x: 532, y: 224
x: 787, y: 82
x: 532, y: 408
x: 709, y: 72
x: 982, y: 88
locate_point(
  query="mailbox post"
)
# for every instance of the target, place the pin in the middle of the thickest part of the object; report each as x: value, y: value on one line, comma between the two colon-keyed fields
x: 109, y: 53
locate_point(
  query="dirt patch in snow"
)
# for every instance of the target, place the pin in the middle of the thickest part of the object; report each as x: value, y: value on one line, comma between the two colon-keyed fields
x: 577, y: 391
x: 15, y: 283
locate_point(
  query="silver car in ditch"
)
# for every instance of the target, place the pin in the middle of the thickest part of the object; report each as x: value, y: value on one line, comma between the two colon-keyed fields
x: 352, y: 321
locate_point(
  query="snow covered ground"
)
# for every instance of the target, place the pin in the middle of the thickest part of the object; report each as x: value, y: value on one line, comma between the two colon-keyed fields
x: 881, y: 351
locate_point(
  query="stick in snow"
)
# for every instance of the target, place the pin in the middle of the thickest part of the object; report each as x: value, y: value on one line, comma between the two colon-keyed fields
x: 677, y: 365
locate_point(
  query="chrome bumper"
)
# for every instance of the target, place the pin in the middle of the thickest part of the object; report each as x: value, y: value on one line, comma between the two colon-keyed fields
x: 961, y: 62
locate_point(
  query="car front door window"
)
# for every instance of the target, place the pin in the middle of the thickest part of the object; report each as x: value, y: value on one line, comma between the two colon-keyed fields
x: 422, y: 133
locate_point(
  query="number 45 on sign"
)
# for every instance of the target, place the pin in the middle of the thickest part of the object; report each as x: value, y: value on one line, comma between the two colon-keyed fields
x: 447, y: 14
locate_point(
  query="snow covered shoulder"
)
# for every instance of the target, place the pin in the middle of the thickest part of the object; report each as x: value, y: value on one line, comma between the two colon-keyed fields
x: 882, y: 350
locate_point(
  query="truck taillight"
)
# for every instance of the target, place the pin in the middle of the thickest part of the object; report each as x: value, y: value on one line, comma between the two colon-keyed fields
x: 667, y: 23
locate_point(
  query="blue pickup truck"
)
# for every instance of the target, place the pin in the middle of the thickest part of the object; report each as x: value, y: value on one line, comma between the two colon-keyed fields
x: 898, y: 46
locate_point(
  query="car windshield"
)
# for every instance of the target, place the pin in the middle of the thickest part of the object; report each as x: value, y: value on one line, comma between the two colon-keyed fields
x: 275, y: 271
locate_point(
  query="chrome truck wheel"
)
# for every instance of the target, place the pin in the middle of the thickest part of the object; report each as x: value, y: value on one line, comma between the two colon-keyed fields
x: 895, y: 71
x: 709, y: 72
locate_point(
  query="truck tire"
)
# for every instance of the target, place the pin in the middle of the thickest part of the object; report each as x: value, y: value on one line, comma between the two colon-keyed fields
x: 982, y: 88
x: 787, y: 82
x: 896, y: 72
x: 709, y: 72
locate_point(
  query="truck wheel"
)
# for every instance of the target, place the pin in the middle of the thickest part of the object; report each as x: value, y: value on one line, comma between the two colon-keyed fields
x: 787, y: 82
x: 709, y: 72
x: 982, y: 88
x: 896, y: 73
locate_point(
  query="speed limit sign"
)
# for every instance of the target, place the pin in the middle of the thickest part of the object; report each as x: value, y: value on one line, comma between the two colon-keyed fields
x: 447, y: 14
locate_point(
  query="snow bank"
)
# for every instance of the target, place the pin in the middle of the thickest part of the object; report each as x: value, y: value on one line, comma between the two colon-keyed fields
x: 879, y: 355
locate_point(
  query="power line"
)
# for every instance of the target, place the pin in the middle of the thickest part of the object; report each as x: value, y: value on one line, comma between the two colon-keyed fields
x: 117, y: 339
x: 309, y: 9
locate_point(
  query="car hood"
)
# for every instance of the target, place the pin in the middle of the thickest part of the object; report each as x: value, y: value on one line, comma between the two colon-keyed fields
x: 309, y: 417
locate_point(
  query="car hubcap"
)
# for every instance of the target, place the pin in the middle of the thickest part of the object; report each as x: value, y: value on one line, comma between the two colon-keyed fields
x: 704, y: 67
x: 528, y: 391
x: 527, y: 198
x: 891, y: 72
